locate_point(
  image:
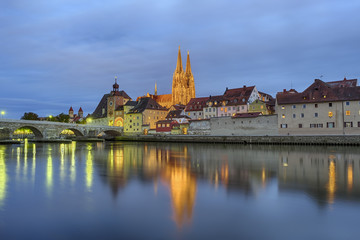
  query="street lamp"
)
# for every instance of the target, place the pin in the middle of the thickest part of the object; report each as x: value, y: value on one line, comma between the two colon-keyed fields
x: 2, y: 114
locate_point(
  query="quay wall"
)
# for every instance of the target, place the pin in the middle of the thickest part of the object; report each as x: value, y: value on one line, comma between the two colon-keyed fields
x: 271, y: 140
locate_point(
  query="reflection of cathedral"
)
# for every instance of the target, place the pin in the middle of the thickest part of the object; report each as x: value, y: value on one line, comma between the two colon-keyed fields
x: 183, y: 86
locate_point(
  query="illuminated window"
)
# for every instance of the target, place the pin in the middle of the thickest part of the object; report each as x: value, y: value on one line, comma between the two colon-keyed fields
x: 348, y: 124
x: 168, y: 125
x: 283, y: 116
x: 262, y: 107
x: 347, y: 113
x: 330, y: 114
x: 282, y: 107
x: 221, y: 109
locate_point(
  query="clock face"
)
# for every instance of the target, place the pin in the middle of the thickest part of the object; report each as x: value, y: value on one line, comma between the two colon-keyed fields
x: 111, y: 103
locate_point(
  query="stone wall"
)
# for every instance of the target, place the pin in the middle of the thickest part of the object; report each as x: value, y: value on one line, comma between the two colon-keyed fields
x: 252, y: 126
x: 199, y: 127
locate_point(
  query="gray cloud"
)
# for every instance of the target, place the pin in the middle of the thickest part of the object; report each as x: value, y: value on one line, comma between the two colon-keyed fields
x: 67, y: 52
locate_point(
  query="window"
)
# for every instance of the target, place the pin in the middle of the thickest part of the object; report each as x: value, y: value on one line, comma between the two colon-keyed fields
x: 316, y: 114
x: 316, y: 105
x: 261, y: 106
x: 163, y: 125
x: 302, y: 115
x: 293, y: 106
x: 358, y: 124
x: 348, y: 124
x: 206, y: 110
x: 304, y: 105
x: 283, y: 107
x: 283, y: 116
x: 221, y: 109
x: 330, y: 114
x: 168, y: 125
x: 347, y: 103
x: 294, y: 115
x: 330, y: 124
x: 312, y: 125
x: 320, y: 125
x: 233, y: 108
x: 300, y: 125
x: 347, y: 113
x: 242, y: 107
x: 283, y: 126
x: 330, y: 104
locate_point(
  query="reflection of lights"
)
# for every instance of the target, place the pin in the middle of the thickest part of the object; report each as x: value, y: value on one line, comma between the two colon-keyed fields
x: 33, y: 164
x: 89, y: 170
x: 18, y: 151
x: 49, y: 171
x: 331, y: 186
x: 62, y: 162
x: 73, y: 164
x: 3, y: 175
x: 263, y: 177
x: 350, y: 176
x: 26, y: 145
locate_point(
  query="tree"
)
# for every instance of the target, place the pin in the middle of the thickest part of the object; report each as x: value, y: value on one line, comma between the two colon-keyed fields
x: 30, y: 116
x: 62, y: 118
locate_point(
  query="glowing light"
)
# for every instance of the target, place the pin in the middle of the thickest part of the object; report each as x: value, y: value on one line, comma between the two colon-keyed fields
x: 62, y: 162
x: 3, y: 176
x: 33, y: 164
x: 263, y: 177
x: 89, y: 168
x: 350, y: 177
x: 331, y: 186
x: 73, y: 163
x: 89, y: 120
x: 49, y: 171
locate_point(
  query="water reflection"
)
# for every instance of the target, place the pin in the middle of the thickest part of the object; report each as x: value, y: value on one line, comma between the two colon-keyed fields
x: 326, y: 174
x: 3, y: 176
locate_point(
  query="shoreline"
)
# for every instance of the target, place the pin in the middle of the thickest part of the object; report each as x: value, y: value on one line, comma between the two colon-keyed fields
x: 343, y: 140
x: 348, y: 140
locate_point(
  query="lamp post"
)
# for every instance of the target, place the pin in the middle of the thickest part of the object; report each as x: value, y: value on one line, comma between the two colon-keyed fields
x: 2, y: 114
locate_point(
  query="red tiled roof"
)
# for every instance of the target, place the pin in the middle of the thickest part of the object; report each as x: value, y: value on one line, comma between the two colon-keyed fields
x: 71, y: 109
x: 80, y: 110
x: 321, y: 91
x: 196, y: 104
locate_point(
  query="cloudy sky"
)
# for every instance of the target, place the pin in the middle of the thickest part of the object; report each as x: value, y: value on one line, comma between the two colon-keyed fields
x: 61, y: 53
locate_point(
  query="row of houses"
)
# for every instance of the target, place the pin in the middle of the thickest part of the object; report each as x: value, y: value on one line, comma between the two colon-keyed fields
x: 322, y: 108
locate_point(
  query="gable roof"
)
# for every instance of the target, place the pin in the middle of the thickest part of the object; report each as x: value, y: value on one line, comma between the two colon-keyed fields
x: 121, y: 93
x: 321, y: 91
x: 146, y: 103
x: 196, y: 104
x: 102, y: 104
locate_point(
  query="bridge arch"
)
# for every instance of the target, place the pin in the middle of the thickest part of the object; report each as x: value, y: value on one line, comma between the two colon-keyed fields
x: 37, y: 132
x: 112, y: 133
x: 77, y: 132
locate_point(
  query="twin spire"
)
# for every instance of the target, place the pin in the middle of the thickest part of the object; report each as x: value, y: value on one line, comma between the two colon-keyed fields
x: 179, y: 67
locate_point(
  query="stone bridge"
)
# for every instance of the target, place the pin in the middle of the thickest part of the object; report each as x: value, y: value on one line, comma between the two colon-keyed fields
x: 52, y: 130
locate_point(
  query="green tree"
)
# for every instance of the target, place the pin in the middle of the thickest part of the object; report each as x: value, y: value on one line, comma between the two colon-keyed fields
x: 30, y: 116
x: 62, y: 118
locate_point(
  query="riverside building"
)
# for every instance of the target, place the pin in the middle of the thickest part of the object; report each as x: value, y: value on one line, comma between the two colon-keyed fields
x: 324, y: 108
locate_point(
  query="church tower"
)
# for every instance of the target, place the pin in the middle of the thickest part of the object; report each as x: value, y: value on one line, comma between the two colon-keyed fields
x: 178, y: 87
x: 183, y: 87
x: 189, y: 81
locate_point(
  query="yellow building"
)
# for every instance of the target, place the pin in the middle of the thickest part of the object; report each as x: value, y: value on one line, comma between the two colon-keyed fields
x: 146, y: 112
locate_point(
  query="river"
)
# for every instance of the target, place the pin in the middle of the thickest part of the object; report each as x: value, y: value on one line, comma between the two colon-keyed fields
x: 128, y: 190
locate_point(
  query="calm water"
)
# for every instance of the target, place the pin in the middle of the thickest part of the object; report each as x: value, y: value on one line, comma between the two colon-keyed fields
x: 178, y: 191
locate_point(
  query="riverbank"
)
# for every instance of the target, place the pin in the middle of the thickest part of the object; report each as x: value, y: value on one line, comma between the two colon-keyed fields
x: 353, y: 140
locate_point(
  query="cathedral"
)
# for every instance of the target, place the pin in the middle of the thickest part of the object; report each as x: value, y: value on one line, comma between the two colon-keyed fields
x: 183, y: 86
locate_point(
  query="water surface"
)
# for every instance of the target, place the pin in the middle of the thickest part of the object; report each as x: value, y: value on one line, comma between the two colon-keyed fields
x: 178, y: 191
